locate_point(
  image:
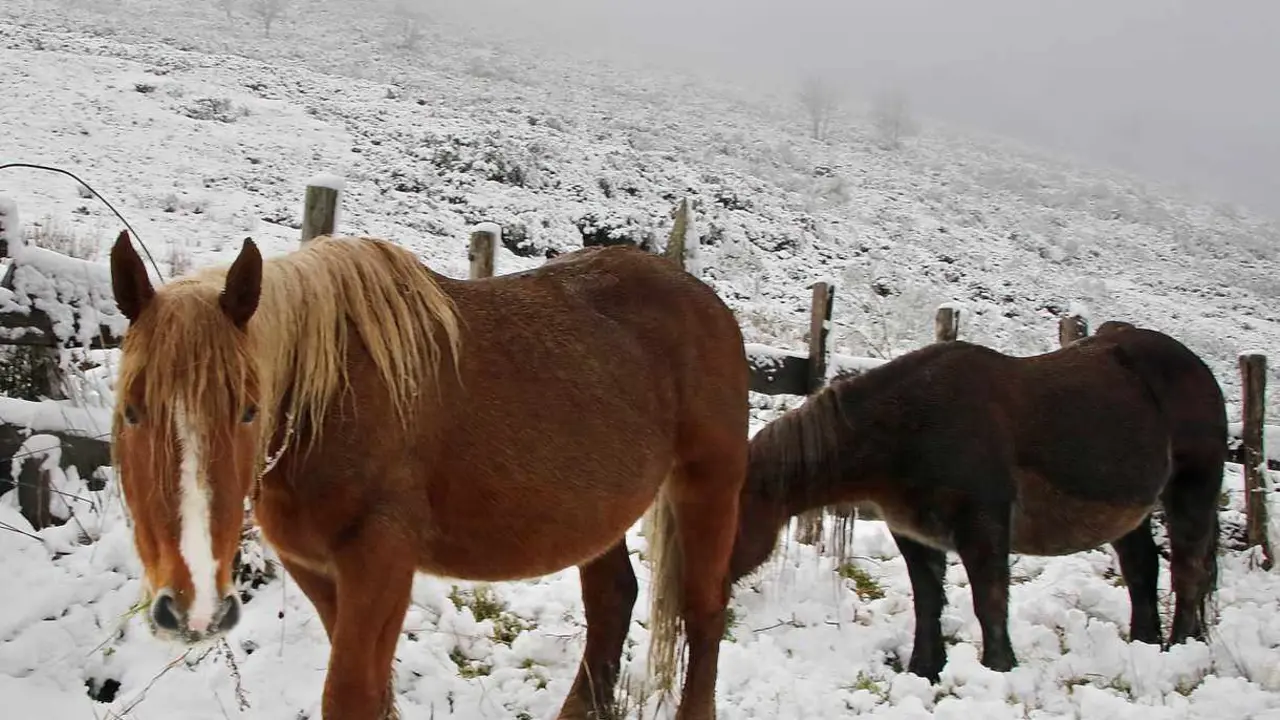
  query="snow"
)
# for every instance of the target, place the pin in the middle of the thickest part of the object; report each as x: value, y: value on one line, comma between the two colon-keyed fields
x: 75, y: 294
x: 847, y: 364
x: 803, y: 643
x: 766, y: 356
x: 327, y: 180
x: 55, y: 416
x: 200, y: 130
x: 1270, y: 438
x: 491, y: 228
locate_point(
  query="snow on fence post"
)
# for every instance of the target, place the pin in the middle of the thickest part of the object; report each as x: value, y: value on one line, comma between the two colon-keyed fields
x: 1071, y: 328
x: 484, y: 246
x: 946, y: 323
x: 10, y: 229
x: 1253, y: 392
x: 320, y: 208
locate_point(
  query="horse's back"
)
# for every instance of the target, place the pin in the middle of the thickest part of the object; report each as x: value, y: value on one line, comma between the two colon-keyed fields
x: 1179, y: 382
x: 617, y: 322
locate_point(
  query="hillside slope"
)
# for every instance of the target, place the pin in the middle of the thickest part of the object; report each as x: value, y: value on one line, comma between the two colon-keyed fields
x: 204, y: 132
x: 458, y: 131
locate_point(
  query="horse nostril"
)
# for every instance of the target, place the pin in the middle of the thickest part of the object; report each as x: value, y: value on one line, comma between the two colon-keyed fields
x: 230, y: 613
x: 164, y: 613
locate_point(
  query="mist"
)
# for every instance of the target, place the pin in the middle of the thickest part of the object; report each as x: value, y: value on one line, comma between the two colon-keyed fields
x: 1174, y: 91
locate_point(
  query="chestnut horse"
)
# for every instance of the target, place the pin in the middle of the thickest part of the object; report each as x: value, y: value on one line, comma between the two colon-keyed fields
x: 962, y: 448
x: 385, y: 419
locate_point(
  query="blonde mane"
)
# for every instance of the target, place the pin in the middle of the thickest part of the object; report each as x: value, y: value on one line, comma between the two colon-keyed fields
x: 294, y: 351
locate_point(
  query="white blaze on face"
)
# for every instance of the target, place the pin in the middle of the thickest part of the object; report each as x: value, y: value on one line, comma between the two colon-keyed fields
x: 196, y: 539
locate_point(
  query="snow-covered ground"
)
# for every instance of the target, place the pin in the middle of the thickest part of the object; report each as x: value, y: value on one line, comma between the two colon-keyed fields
x: 203, y: 131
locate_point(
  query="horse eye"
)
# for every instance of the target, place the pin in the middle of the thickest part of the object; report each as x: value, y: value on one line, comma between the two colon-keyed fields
x: 250, y: 413
x: 130, y: 415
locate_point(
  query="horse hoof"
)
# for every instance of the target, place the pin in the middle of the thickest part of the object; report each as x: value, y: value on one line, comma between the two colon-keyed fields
x: 930, y: 674
x: 1000, y: 665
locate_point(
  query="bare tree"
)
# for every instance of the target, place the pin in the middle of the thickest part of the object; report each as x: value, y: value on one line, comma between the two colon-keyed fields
x: 269, y: 11
x: 891, y: 117
x: 408, y: 26
x: 819, y: 100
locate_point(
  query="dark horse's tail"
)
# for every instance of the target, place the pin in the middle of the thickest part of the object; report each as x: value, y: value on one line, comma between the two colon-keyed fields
x: 1189, y: 396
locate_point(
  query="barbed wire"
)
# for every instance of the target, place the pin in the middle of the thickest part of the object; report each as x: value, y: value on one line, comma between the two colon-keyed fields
x: 87, y: 186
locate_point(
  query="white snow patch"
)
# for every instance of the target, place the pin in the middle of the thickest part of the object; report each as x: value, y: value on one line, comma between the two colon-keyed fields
x: 75, y: 294
x: 328, y: 180
x: 492, y: 228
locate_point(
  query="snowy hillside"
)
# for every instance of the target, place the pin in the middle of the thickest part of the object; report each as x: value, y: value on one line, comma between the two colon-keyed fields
x: 202, y: 131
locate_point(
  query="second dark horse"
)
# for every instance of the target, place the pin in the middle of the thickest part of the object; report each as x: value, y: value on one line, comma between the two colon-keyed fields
x: 964, y: 449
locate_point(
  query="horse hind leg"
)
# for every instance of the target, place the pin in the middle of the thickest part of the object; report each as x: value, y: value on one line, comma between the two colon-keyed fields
x: 695, y: 523
x: 1140, y: 566
x: 1191, y: 512
x: 609, y: 591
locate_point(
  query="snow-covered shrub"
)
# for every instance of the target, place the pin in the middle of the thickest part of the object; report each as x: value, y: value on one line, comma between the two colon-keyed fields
x: 213, y: 109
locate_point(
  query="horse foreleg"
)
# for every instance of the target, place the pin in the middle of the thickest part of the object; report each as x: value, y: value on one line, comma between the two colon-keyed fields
x: 609, y: 591
x: 374, y: 583
x: 926, y: 568
x: 321, y: 590
x: 982, y: 540
x: 1140, y: 566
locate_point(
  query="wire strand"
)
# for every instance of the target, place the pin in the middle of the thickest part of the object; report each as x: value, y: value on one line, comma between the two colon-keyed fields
x: 87, y: 186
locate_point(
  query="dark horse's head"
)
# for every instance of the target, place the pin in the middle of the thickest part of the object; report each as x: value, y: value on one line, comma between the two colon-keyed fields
x: 792, y: 464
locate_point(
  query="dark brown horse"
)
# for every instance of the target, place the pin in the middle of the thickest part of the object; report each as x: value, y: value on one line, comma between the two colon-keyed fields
x: 385, y: 419
x: 964, y: 449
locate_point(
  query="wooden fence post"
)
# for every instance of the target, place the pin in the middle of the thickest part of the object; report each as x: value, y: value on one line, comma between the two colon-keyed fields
x: 809, y: 529
x: 676, y: 241
x: 1253, y: 392
x: 10, y: 229
x: 819, y: 331
x: 1071, y: 328
x: 946, y: 323
x: 320, y: 208
x: 34, y: 491
x: 484, y: 246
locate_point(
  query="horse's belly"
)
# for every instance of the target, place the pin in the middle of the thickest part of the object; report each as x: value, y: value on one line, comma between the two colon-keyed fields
x: 916, y: 521
x: 1046, y: 521
x: 509, y: 543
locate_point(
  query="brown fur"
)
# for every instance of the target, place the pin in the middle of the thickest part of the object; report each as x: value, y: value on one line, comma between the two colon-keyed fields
x: 575, y: 397
x: 962, y: 448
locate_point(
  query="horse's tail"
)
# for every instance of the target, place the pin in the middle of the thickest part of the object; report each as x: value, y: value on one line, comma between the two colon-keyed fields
x: 666, y: 563
x: 1210, y: 598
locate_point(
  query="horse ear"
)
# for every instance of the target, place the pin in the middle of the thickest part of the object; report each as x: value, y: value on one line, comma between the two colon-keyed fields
x: 129, y: 281
x: 239, y: 298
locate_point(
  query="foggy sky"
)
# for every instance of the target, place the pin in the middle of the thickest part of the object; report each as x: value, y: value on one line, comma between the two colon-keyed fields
x: 1179, y: 91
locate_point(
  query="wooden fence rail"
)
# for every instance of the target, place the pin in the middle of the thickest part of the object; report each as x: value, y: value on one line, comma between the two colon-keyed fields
x: 774, y: 371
